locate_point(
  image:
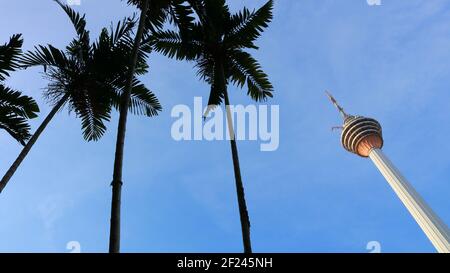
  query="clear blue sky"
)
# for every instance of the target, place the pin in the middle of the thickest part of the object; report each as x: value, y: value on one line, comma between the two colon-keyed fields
x: 390, y: 62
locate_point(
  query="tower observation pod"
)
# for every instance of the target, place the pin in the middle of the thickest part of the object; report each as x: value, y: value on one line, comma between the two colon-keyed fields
x: 363, y: 136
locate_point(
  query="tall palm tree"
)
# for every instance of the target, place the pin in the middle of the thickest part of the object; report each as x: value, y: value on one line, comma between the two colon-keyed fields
x: 114, y: 234
x: 153, y: 15
x: 217, y: 41
x: 15, y: 108
x: 89, y: 79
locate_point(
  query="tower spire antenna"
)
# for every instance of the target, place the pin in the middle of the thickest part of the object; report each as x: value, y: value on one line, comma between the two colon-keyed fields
x: 336, y: 104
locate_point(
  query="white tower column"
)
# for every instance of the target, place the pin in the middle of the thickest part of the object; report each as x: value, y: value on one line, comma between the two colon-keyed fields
x: 435, y: 229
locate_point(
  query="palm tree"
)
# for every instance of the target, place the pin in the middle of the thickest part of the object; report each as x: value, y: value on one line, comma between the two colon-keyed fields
x: 15, y: 108
x: 154, y: 13
x: 217, y: 41
x: 114, y: 235
x: 89, y: 79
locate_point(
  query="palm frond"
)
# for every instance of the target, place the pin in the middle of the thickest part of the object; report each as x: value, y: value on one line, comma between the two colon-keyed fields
x: 9, y: 55
x: 142, y: 100
x: 181, y: 15
x: 79, y: 47
x: 243, y: 68
x: 199, y: 7
x: 205, y: 69
x: 122, y: 43
x: 15, y: 126
x: 92, y: 124
x: 78, y: 21
x: 15, y: 110
x: 17, y: 103
x: 245, y: 26
x: 157, y: 15
x: 45, y: 56
x: 94, y: 109
x: 123, y: 31
x: 171, y: 44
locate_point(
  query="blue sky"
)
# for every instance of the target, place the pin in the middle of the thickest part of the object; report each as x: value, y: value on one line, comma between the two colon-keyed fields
x: 390, y: 62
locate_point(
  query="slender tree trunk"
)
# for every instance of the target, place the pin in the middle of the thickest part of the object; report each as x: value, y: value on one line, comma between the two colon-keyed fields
x: 114, y: 236
x: 26, y: 149
x: 243, y: 212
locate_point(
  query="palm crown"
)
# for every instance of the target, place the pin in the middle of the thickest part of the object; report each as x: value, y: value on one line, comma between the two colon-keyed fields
x: 216, y: 40
x: 91, y: 76
x: 15, y: 108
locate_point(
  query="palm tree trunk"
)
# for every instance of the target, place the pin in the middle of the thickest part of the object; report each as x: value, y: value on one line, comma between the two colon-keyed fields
x: 114, y: 236
x: 26, y: 149
x: 243, y: 212
x: 245, y: 220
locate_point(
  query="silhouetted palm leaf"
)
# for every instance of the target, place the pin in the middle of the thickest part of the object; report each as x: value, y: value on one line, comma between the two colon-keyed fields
x: 244, y: 66
x: 245, y: 26
x: 171, y: 44
x: 15, y: 110
x: 46, y: 56
x: 78, y: 21
x: 157, y: 14
x: 9, y: 54
x: 142, y: 101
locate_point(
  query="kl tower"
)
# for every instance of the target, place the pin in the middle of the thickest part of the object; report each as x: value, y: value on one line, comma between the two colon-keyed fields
x: 363, y: 136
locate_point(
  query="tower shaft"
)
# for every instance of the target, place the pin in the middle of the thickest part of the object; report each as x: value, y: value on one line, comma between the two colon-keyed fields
x: 435, y: 229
